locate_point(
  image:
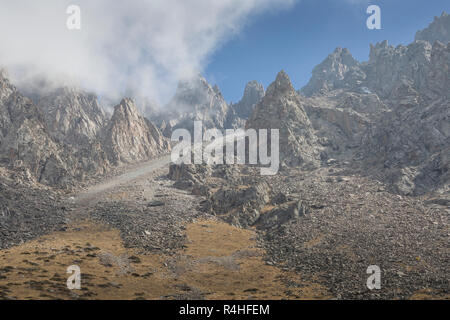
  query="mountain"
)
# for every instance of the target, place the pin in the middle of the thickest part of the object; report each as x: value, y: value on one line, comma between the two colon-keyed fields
x: 391, y: 112
x: 67, y: 138
x: 195, y: 100
x: 129, y: 137
x: 25, y: 139
x: 72, y: 116
x: 241, y: 111
x: 410, y: 148
x: 341, y: 118
x: 338, y: 70
x: 438, y: 30
x: 282, y: 108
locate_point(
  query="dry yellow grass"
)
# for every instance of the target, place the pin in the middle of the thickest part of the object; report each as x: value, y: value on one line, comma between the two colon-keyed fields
x: 219, y: 262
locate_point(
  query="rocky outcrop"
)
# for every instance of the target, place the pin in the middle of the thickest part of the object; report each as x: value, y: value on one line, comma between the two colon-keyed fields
x: 341, y: 118
x: 68, y: 138
x: 411, y: 147
x: 72, y: 117
x: 438, y: 30
x: 241, y: 111
x: 282, y: 109
x: 393, y: 110
x: 390, y: 67
x: 196, y: 100
x: 27, y: 209
x: 24, y: 137
x: 282, y: 214
x: 338, y: 70
x: 129, y: 137
x: 240, y: 206
x: 402, y: 75
x: 188, y: 175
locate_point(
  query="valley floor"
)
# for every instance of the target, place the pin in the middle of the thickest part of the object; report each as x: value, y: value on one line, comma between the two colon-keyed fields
x: 134, y: 236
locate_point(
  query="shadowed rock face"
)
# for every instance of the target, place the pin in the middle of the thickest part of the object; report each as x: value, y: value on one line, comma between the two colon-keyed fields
x: 195, y: 100
x: 398, y: 74
x: 281, y: 108
x: 438, y: 30
x: 130, y: 137
x: 67, y: 137
x: 241, y: 111
x: 391, y: 111
x: 25, y: 138
x: 72, y: 116
x: 253, y: 93
x: 338, y: 70
x: 411, y: 148
x: 402, y: 75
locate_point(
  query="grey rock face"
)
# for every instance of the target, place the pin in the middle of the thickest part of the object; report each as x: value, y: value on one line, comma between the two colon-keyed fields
x: 282, y: 108
x: 392, y: 109
x: 408, y: 140
x: 240, y: 207
x: 27, y: 211
x: 129, y: 137
x: 72, y: 117
x: 241, y: 111
x: 253, y: 93
x: 390, y: 67
x: 403, y: 75
x: 24, y: 137
x: 341, y: 118
x: 67, y: 137
x: 226, y: 199
x: 412, y: 147
x: 338, y: 70
x: 196, y: 100
x: 415, y: 73
x: 283, y: 214
x: 188, y: 175
x: 438, y: 30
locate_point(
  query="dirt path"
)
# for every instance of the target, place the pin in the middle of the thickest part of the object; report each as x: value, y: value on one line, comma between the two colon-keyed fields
x: 140, y: 171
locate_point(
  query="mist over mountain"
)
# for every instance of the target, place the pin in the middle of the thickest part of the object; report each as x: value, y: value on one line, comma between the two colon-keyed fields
x: 86, y: 173
x: 138, y: 48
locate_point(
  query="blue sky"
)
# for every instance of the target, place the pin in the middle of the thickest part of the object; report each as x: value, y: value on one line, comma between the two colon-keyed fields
x: 298, y: 39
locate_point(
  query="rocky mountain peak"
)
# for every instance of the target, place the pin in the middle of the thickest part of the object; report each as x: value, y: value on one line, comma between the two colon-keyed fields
x: 5, y: 86
x: 196, y: 100
x: 438, y: 30
x: 282, y: 109
x: 334, y: 72
x: 254, y: 91
x: 281, y: 84
x: 73, y: 116
x: 126, y: 109
x: 129, y: 137
x: 192, y: 91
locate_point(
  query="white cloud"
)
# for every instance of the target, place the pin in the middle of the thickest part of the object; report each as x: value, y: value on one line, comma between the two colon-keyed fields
x: 145, y: 45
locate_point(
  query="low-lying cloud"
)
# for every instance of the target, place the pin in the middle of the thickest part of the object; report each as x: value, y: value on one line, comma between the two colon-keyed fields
x: 136, y: 46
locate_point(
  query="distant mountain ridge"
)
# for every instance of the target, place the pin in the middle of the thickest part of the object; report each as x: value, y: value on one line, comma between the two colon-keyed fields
x: 390, y: 115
